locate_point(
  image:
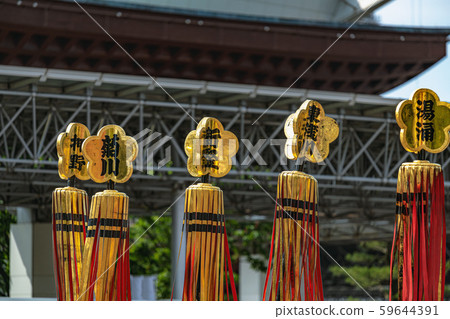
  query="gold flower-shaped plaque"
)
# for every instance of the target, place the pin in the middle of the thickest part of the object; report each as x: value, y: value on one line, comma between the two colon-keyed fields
x: 424, y: 122
x: 110, y: 154
x: 309, y: 133
x: 71, y: 161
x: 210, y: 149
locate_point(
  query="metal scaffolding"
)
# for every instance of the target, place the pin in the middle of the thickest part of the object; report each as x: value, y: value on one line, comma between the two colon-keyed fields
x: 357, y: 183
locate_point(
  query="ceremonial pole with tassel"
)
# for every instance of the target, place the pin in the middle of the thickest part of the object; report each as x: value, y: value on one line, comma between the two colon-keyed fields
x: 106, y: 264
x: 419, y: 243
x: 69, y: 213
x: 293, y: 271
x: 208, y: 270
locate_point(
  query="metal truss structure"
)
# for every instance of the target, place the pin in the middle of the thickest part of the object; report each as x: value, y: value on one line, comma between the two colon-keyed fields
x: 357, y: 183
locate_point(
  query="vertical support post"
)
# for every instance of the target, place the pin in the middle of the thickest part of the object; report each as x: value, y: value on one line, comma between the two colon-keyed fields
x: 340, y: 165
x: 177, y: 261
x: 386, y: 153
x: 33, y: 103
x: 21, y: 254
x: 292, y: 164
x: 88, y: 107
x: 251, y: 281
x: 43, y: 272
x: 243, y: 110
x: 193, y: 104
x: 141, y: 111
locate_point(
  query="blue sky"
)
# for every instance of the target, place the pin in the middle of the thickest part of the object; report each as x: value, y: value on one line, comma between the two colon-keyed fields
x: 421, y: 13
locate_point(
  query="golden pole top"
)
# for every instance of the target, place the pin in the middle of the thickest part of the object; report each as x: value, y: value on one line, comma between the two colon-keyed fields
x: 110, y: 154
x: 71, y: 161
x: 424, y: 122
x: 309, y: 133
x: 210, y: 149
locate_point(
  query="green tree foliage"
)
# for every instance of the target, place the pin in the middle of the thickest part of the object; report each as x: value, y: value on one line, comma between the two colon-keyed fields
x: 250, y: 239
x: 369, y: 266
x: 150, y: 255
x: 447, y: 287
x: 6, y: 219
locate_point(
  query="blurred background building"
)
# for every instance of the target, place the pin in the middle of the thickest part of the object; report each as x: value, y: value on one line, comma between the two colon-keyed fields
x: 233, y: 60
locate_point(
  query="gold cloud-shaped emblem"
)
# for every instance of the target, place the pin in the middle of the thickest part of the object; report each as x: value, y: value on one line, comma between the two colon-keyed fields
x: 71, y: 161
x: 424, y: 122
x: 210, y: 149
x: 110, y: 154
x: 309, y: 133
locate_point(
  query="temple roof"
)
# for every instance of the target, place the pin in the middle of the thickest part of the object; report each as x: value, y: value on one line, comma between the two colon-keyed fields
x: 201, y: 46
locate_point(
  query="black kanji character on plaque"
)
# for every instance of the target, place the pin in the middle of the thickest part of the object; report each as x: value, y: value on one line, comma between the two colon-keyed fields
x: 311, y: 131
x: 76, y: 142
x: 313, y: 114
x: 209, y: 154
x: 211, y: 134
x: 209, y: 161
x: 427, y: 112
x: 110, y: 146
x: 211, y: 137
x: 110, y: 153
x: 425, y: 131
x: 76, y: 162
x: 311, y: 127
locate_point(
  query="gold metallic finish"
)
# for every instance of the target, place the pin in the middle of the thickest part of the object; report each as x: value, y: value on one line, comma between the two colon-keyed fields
x: 309, y: 133
x: 110, y: 154
x: 296, y: 248
x: 210, y: 149
x: 105, y: 256
x: 70, y: 207
x: 204, y: 276
x: 424, y: 122
x: 71, y: 161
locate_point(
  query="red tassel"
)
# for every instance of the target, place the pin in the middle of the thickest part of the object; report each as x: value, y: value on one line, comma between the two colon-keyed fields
x: 419, y: 235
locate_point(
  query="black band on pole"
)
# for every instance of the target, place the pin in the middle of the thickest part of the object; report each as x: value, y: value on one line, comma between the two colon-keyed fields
x: 110, y: 185
x: 206, y: 178
x: 71, y: 181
